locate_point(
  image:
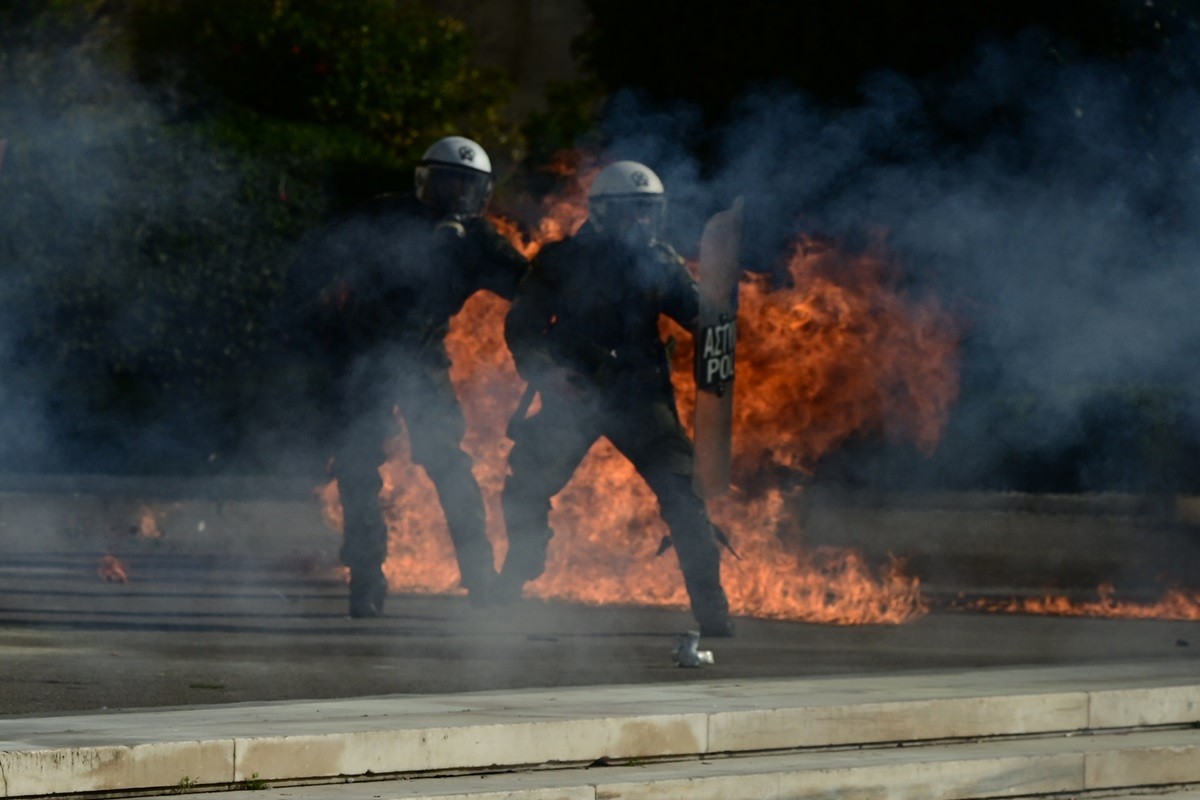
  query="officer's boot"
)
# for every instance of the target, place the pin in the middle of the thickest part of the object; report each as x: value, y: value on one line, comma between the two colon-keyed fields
x: 467, y: 523
x: 476, y: 572
x: 525, y: 560
x: 364, y: 549
x: 368, y: 590
x: 525, y: 518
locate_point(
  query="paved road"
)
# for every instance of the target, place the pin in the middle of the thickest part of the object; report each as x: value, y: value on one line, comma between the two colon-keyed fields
x: 202, y: 631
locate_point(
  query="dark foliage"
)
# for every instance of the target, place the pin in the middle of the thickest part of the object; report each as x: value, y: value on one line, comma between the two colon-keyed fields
x: 710, y: 52
x: 162, y: 161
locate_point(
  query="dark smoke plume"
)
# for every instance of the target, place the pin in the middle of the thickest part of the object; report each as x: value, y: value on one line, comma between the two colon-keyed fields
x: 1051, y: 201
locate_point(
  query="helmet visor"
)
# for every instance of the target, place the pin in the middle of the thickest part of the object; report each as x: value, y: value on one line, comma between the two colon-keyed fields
x: 636, y: 219
x: 454, y: 190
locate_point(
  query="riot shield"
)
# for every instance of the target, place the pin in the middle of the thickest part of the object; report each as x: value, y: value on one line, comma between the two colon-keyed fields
x: 716, y: 336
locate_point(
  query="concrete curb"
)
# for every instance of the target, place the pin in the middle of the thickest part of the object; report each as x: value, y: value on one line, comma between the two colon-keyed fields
x: 1096, y: 765
x: 222, y: 747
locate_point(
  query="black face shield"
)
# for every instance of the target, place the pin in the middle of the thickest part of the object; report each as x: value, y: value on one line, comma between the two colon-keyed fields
x: 453, y: 190
x: 636, y: 219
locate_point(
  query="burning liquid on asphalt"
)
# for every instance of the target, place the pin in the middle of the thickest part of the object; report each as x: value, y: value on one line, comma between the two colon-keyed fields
x: 1174, y: 604
x: 112, y: 570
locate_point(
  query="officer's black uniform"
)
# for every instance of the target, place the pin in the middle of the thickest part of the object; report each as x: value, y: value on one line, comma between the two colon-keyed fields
x: 584, y: 331
x: 387, y: 281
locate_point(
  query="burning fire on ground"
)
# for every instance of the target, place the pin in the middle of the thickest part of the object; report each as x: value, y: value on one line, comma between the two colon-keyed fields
x: 818, y: 363
x: 111, y: 570
x: 1176, y: 604
x: 842, y: 353
x: 147, y: 526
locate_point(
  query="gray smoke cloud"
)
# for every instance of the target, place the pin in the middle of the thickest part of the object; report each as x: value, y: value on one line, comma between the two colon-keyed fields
x: 129, y: 285
x: 1051, y: 202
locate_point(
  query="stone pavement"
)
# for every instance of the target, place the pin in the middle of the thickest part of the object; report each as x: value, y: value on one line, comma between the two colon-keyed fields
x: 207, y: 631
x: 578, y: 702
x: 227, y: 664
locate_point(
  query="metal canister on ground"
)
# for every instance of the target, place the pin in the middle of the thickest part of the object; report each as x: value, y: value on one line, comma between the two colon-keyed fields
x: 687, y: 652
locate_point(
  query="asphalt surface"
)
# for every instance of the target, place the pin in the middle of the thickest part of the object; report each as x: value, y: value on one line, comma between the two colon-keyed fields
x: 188, y: 631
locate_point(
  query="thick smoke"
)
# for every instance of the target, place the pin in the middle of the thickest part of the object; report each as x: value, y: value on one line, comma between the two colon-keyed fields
x: 1050, y: 202
x: 144, y: 281
x: 135, y: 279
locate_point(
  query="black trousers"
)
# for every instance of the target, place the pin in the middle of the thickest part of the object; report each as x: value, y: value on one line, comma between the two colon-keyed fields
x: 644, y: 427
x: 367, y: 396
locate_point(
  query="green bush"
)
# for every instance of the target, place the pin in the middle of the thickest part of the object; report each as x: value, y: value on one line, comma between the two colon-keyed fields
x: 370, y: 81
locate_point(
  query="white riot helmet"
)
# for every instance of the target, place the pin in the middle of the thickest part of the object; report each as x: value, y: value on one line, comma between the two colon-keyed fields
x: 627, y: 200
x: 455, y: 177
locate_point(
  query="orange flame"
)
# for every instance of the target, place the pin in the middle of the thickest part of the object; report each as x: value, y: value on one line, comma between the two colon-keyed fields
x: 841, y: 353
x: 1176, y: 604
x: 560, y: 214
x: 111, y: 570
x: 147, y: 527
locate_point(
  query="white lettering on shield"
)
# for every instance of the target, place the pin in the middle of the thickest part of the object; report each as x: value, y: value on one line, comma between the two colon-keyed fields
x: 717, y: 355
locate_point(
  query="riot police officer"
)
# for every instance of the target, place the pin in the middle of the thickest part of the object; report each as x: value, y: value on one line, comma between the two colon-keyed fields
x: 375, y: 293
x: 583, y: 330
